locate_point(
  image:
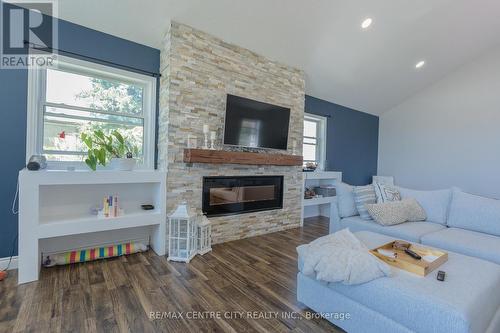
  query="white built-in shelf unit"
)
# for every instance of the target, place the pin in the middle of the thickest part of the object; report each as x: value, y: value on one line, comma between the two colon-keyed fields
x: 55, y: 212
x: 319, y: 206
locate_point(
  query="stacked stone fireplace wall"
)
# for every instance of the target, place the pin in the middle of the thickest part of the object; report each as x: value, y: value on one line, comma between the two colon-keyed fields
x: 198, y: 70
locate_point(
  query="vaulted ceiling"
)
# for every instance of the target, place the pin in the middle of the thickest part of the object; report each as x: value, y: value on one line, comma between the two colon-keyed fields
x: 369, y: 70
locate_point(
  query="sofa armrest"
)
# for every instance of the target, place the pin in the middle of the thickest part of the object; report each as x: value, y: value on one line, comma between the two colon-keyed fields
x: 334, y: 218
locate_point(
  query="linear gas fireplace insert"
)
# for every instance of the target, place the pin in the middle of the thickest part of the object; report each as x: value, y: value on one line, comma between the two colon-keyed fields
x: 237, y: 194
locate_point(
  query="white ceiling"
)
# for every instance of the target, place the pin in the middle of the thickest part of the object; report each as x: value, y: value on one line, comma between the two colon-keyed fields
x: 370, y: 70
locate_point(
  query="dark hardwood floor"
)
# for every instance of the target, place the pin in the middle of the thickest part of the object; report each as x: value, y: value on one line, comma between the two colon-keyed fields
x: 242, y: 286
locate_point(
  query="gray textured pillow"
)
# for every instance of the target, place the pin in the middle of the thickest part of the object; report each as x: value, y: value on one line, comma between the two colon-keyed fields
x: 396, y: 212
x: 364, y: 195
x: 415, y: 211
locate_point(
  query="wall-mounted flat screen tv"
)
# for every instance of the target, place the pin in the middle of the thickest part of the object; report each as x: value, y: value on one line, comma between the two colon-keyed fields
x: 255, y: 124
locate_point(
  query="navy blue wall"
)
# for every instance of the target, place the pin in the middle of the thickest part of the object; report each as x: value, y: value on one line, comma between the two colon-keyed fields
x: 13, y: 95
x: 352, y: 140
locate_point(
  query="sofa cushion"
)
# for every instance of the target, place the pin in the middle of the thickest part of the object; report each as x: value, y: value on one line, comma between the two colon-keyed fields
x: 386, y: 180
x: 364, y: 195
x: 345, y: 199
x: 471, y: 243
x: 411, y: 231
x: 435, y: 203
x: 473, y: 212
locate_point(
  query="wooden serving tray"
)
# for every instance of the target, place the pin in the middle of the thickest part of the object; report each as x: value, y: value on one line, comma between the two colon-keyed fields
x: 404, y: 261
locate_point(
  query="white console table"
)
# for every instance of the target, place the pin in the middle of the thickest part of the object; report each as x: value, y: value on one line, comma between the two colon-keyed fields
x: 55, y: 210
x: 323, y: 205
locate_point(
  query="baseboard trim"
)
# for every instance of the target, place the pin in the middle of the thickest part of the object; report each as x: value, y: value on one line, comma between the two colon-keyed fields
x: 5, y: 261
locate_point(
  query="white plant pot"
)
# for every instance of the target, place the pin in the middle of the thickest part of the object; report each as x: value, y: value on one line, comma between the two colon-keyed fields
x: 122, y: 164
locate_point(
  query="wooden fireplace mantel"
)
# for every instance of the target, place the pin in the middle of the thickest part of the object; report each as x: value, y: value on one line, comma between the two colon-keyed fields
x: 239, y: 157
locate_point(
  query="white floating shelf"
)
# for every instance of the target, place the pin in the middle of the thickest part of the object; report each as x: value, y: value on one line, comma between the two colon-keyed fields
x: 330, y: 175
x: 63, y: 227
x: 319, y: 206
x: 80, y: 177
x: 318, y: 201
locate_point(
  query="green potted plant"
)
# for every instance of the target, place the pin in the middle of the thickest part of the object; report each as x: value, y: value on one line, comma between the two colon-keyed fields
x: 112, y: 148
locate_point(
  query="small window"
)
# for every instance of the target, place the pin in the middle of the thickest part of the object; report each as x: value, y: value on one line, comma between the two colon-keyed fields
x: 314, y: 148
x: 78, y: 96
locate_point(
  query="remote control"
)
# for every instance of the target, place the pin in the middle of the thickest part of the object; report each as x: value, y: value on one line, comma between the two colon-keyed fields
x: 412, y: 254
x: 441, y: 275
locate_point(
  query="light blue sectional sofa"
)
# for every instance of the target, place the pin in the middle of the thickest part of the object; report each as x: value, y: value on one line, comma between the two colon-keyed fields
x: 467, y: 302
x: 456, y: 221
x: 465, y: 225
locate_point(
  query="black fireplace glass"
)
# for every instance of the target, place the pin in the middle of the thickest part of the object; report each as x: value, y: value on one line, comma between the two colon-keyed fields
x: 241, y: 194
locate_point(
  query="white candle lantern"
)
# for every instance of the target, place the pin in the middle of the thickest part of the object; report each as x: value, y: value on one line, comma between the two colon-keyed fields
x: 182, y: 231
x: 204, y: 235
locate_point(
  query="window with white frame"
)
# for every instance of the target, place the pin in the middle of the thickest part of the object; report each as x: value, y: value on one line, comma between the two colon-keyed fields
x: 77, y: 96
x: 314, y: 145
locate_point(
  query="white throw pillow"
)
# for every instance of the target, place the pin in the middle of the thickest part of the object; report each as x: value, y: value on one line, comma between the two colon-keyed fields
x: 386, y: 193
x: 341, y: 257
x: 345, y: 199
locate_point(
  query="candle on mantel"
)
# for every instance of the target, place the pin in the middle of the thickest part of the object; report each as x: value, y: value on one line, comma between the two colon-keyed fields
x: 212, y: 135
x: 205, y: 129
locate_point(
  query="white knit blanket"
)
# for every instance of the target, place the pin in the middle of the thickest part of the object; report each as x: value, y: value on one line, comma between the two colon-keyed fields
x: 341, y: 257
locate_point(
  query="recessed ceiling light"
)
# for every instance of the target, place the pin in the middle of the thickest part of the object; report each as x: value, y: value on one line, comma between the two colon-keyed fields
x: 420, y: 64
x: 366, y: 23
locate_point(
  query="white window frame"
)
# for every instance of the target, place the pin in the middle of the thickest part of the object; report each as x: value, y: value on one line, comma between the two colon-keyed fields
x: 320, y: 138
x: 36, y: 98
